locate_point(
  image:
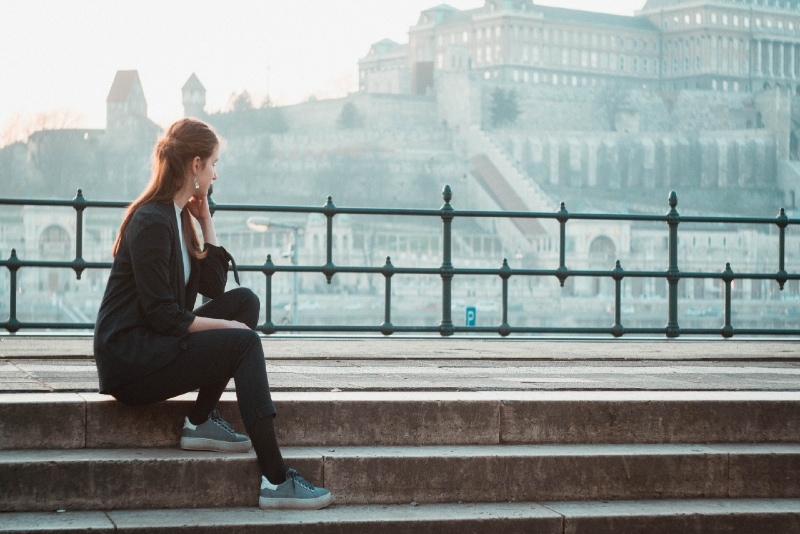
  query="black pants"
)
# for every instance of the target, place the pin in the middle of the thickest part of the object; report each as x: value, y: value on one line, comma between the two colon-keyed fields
x: 210, y: 360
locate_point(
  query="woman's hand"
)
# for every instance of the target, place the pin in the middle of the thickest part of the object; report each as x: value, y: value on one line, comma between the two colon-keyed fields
x: 208, y: 323
x: 198, y: 207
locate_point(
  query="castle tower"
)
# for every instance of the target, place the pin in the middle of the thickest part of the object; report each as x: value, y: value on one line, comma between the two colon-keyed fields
x: 194, y: 98
x: 125, y: 100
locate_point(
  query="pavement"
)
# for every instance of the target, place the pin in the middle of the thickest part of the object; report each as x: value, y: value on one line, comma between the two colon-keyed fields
x: 43, y: 364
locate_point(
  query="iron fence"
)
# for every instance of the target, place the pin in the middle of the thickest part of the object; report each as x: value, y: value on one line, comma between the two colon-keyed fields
x: 448, y: 271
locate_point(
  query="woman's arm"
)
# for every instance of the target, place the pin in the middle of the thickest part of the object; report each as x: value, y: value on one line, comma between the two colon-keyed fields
x: 208, y: 323
x: 198, y: 207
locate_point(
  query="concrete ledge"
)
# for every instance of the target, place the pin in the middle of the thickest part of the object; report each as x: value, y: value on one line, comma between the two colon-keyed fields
x: 63, y: 421
x: 136, y: 478
x: 99, y: 479
x: 32, y: 420
x: 651, y: 517
x: 671, y: 516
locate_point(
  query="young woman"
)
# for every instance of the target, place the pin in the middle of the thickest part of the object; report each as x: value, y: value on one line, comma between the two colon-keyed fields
x: 150, y: 344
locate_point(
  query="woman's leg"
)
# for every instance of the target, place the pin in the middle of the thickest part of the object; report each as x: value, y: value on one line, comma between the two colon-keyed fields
x: 239, y: 304
x: 211, y: 359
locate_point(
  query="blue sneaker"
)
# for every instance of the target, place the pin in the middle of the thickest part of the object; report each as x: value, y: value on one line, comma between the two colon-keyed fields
x: 296, y: 493
x: 213, y: 435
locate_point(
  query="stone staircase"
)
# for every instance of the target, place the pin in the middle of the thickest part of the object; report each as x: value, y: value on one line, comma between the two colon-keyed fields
x: 427, y: 461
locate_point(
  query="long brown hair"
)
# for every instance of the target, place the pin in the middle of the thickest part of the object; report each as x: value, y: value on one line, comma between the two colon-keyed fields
x: 185, y: 139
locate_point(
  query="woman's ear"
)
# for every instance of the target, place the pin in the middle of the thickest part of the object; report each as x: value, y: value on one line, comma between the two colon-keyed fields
x: 197, y: 164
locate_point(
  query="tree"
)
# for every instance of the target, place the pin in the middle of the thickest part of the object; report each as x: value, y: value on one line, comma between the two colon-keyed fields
x: 350, y: 118
x: 19, y: 127
x: 240, y: 102
x: 504, y: 108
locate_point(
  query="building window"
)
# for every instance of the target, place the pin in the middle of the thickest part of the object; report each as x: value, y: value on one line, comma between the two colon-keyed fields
x: 686, y: 19
x: 622, y: 63
x: 713, y: 18
x: 487, y: 75
x: 736, y: 86
x: 698, y: 18
x: 674, y: 64
x: 686, y: 64
x: 564, y: 56
x: 465, y: 37
x: 593, y: 58
x: 697, y: 63
x: 736, y: 20
x: 644, y: 65
x: 488, y: 54
x: 746, y: 22
x: 497, y: 31
x: 635, y: 64
x: 480, y: 34
x: 725, y: 20
x: 725, y: 85
x: 714, y: 84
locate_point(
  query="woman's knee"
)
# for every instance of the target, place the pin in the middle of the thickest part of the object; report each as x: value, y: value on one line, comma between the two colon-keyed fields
x: 250, y: 305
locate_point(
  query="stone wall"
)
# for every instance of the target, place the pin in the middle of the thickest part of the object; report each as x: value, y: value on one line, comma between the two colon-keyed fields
x: 379, y: 112
x: 626, y: 168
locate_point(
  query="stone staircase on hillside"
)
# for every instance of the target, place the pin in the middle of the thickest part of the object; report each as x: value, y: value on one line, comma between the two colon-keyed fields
x: 504, y: 196
x: 492, y: 461
x: 533, y: 197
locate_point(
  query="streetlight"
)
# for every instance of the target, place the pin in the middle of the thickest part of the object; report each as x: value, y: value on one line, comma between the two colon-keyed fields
x: 262, y: 224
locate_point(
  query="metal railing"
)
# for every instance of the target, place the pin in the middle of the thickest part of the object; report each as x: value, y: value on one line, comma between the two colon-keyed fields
x: 447, y: 271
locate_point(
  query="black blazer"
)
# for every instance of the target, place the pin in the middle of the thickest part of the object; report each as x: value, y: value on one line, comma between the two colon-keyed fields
x: 147, y: 306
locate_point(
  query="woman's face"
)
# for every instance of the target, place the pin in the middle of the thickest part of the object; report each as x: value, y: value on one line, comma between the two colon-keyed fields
x: 208, y: 172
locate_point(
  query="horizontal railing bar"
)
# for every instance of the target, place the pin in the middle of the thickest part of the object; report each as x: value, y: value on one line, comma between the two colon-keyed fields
x: 55, y: 264
x: 58, y: 326
x: 415, y: 212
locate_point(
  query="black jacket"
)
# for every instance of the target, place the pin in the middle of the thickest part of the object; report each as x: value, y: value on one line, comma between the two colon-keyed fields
x: 147, y: 306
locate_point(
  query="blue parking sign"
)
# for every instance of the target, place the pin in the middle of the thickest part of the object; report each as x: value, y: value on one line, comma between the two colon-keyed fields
x: 472, y: 314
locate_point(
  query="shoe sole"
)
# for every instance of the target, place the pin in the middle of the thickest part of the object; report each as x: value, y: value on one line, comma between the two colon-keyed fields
x: 271, y: 503
x: 205, y: 444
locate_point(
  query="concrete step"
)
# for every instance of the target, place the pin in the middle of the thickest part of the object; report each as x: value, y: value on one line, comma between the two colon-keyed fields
x: 86, y: 479
x: 724, y: 516
x: 333, y: 419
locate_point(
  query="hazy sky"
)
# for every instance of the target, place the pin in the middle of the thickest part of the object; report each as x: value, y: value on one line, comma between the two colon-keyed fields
x: 57, y: 55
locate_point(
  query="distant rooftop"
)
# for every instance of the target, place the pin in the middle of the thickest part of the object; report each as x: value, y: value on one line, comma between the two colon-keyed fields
x: 123, y: 82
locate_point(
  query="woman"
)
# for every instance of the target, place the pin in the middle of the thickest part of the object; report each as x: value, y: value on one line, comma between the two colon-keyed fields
x: 149, y: 343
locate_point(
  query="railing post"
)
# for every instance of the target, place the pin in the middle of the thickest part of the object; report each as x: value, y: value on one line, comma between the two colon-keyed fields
x: 329, y: 269
x: 387, y: 328
x: 727, y: 277
x: 505, y: 273
x: 12, y: 325
x: 79, y: 203
x: 618, y: 330
x: 782, y: 222
x: 269, y: 269
x: 562, y: 272
x: 448, y: 213
x: 673, y: 273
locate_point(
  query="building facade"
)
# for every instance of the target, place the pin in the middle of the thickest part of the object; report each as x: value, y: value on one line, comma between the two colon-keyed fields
x: 723, y: 45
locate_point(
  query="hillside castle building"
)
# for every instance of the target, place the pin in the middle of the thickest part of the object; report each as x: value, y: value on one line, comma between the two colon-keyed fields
x: 722, y: 45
